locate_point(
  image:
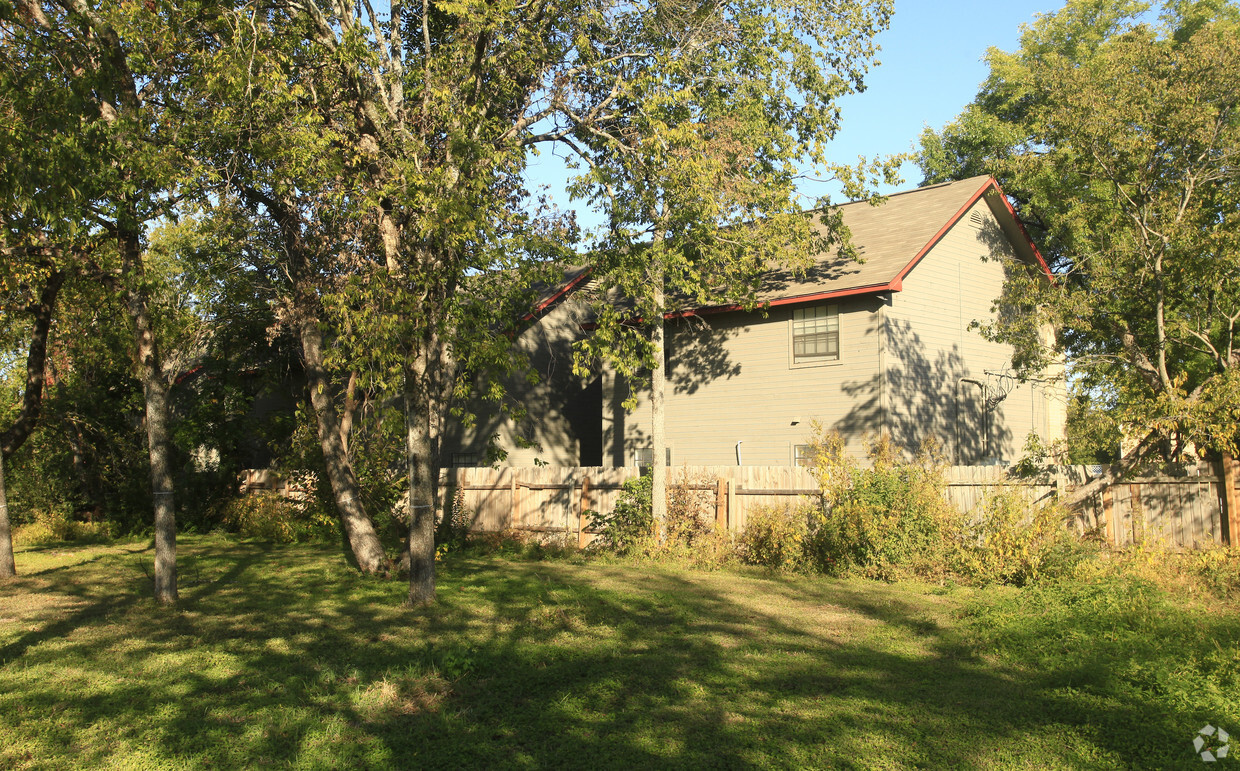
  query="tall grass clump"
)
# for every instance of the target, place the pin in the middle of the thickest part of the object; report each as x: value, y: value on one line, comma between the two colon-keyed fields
x: 56, y: 524
x: 270, y: 516
x: 776, y: 537
x: 890, y: 518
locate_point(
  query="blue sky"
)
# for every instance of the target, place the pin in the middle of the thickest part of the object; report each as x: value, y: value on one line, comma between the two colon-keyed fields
x: 931, y: 66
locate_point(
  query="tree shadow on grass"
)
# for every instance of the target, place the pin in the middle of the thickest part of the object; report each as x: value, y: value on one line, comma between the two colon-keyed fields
x: 287, y: 657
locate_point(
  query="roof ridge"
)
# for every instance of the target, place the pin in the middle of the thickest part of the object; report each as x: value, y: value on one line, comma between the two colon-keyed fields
x: 900, y: 193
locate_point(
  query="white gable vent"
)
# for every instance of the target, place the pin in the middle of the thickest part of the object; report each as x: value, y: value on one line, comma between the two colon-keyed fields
x: 977, y: 219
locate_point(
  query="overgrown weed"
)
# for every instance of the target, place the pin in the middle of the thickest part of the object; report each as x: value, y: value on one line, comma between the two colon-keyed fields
x: 690, y: 535
x: 57, y: 525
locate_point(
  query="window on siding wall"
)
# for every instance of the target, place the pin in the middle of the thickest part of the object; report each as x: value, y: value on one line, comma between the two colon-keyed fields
x: 464, y: 459
x: 801, y: 455
x: 816, y: 334
x: 644, y: 457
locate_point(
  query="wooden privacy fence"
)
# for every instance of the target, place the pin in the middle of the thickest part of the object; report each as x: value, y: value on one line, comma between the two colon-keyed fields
x: 1184, y: 512
x: 554, y: 499
x: 1181, y: 511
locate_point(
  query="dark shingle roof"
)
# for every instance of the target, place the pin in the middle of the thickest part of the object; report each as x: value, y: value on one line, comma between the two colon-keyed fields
x: 890, y: 238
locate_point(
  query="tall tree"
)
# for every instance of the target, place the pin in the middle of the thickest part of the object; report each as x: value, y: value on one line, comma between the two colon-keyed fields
x: 698, y: 178
x: 1120, y: 140
x: 102, y: 85
x: 276, y: 135
x: 441, y: 103
x: 390, y: 145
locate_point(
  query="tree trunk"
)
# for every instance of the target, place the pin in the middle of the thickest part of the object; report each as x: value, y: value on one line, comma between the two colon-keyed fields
x: 32, y: 404
x: 658, y: 437
x: 358, y: 528
x: 36, y: 366
x: 158, y: 441
x: 422, y: 472
x: 8, y: 568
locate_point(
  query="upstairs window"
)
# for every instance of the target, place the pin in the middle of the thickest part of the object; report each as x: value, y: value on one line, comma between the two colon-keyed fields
x: 816, y: 334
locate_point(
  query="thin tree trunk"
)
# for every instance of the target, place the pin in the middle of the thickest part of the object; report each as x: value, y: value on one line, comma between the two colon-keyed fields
x: 36, y: 365
x: 78, y: 447
x: 32, y: 404
x: 158, y: 441
x: 8, y: 568
x: 350, y: 412
x: 422, y: 471
x: 658, y: 387
x: 1161, y: 322
x: 358, y: 528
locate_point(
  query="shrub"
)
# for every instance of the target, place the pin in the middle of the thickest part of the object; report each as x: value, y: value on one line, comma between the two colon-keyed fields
x: 268, y: 515
x: 455, y: 530
x: 714, y: 550
x: 629, y: 524
x: 690, y: 511
x: 775, y: 537
x: 57, y: 525
x: 690, y: 534
x: 1007, y: 540
x: 881, y: 521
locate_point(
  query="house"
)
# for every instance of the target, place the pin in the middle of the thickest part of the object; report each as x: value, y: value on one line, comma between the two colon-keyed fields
x: 883, y: 345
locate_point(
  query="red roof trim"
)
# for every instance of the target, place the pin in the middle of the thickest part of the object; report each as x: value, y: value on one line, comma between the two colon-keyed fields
x: 990, y: 184
x: 570, y: 286
x: 1007, y: 204
x: 802, y: 298
x: 895, y: 285
x: 899, y: 279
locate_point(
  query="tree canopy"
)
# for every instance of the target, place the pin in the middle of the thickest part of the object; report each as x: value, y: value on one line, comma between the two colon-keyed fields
x: 367, y: 167
x: 1118, y: 136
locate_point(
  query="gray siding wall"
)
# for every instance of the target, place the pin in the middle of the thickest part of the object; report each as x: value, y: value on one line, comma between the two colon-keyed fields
x: 930, y: 349
x: 731, y: 379
x: 906, y: 359
x: 563, y: 411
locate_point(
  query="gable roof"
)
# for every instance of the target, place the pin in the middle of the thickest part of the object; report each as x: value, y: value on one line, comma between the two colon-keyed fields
x: 890, y: 238
x: 893, y: 237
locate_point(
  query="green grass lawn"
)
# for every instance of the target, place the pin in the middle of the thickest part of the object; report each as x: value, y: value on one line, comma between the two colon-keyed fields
x: 283, y: 656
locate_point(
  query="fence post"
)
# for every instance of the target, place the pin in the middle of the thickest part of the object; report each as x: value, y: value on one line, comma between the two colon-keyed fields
x: 1108, y: 515
x: 721, y: 505
x: 730, y: 511
x: 1230, y: 519
x: 514, y: 508
x: 581, y: 513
